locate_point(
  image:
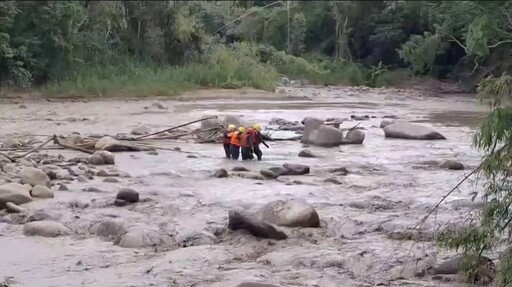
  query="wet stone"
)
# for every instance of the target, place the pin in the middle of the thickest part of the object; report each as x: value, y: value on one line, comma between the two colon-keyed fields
x: 127, y: 194
x: 159, y: 105
x: 360, y: 118
x: 111, y: 180
x: 109, y: 229
x: 268, y: 174
x: 152, y: 152
x: 290, y: 213
x: 239, y: 220
x: 13, y: 208
x: 221, y: 173
x: 41, y: 192
x: 22, y: 107
x: 306, y: 153
x: 296, y: 169
x: 92, y: 189
x: 254, y: 284
x: 63, y: 187
x: 82, y: 178
x: 239, y: 168
x: 44, y: 216
x: 34, y: 176
x: 46, y: 229
x: 339, y: 170
x: 452, y: 165
x: 192, y: 156
x: 279, y: 170
x: 333, y: 181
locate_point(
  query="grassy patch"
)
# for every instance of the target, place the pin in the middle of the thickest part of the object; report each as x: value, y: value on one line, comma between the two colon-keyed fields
x: 233, y: 67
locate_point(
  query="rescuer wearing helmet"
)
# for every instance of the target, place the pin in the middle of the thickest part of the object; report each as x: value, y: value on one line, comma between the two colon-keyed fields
x: 226, y: 139
x: 257, y: 140
x: 235, y: 143
x: 247, y: 144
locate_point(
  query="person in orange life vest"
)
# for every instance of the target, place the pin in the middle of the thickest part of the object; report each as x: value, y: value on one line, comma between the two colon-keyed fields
x: 257, y: 140
x: 247, y: 144
x: 226, y: 139
x: 235, y: 143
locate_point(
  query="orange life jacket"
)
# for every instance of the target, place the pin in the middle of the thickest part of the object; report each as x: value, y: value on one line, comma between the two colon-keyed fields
x: 235, y: 139
x: 245, y: 140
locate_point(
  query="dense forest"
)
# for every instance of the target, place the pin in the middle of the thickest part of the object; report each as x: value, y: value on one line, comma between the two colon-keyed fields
x: 162, y: 47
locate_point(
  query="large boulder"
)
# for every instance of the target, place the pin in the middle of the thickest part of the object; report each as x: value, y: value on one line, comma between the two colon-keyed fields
x: 290, y: 213
x: 279, y: 170
x: 385, y: 123
x: 46, y: 229
x: 41, y: 191
x: 452, y: 164
x: 310, y: 125
x: 240, y: 220
x: 354, y: 136
x: 34, y: 176
x: 296, y: 169
x: 140, y: 237
x: 109, y: 229
x: 126, y: 196
x: 15, y: 193
x: 326, y: 136
x: 406, y: 130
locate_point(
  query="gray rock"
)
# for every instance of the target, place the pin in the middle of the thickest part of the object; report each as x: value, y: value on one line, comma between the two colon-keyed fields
x: 254, y: 284
x: 110, y: 229
x: 192, y: 156
x: 239, y: 168
x: 485, y: 269
x: 284, y: 81
x: 81, y: 178
x: 296, y: 169
x: 15, y: 193
x: 46, y: 229
x: 140, y: 131
x: 310, y: 125
x: 360, y: 118
x: 96, y: 159
x: 339, y: 170
x: 128, y: 195
x: 279, y: 170
x: 249, y: 175
x: 268, y: 174
x: 452, y: 164
x: 22, y: 107
x: 239, y: 220
x: 41, y: 192
x: 104, y: 173
x: 107, y: 156
x: 120, y: 202
x: 390, y: 117
x: 44, y: 216
x: 63, y: 187
x: 159, y: 105
x: 12, y: 144
x: 221, y: 173
x: 111, y: 180
x: 333, y: 181
x: 354, y: 136
x: 306, y: 153
x: 152, y: 152
x: 326, y: 136
x: 138, y: 237
x: 290, y: 213
x: 34, y: 176
x: 385, y: 123
x: 406, y: 130
x: 13, y: 208
x: 52, y: 174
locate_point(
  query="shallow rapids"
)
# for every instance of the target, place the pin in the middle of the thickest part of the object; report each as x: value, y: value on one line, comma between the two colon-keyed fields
x: 364, y: 239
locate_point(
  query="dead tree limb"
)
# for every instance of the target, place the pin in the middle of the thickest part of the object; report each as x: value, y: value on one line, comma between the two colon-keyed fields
x: 36, y: 148
x: 176, y: 127
x: 58, y: 142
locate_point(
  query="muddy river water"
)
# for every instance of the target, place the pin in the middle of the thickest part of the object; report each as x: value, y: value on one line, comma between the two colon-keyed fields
x: 365, y: 236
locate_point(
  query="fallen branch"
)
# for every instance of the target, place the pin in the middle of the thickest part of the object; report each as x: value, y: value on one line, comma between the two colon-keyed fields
x: 176, y: 127
x: 58, y: 142
x: 36, y: 148
x: 7, y: 157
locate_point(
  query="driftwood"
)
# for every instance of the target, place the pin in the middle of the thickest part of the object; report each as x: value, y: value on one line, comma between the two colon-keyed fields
x: 7, y: 157
x: 36, y: 148
x: 176, y: 127
x: 58, y: 142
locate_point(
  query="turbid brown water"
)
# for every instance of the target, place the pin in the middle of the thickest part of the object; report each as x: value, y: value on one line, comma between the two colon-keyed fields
x: 363, y: 240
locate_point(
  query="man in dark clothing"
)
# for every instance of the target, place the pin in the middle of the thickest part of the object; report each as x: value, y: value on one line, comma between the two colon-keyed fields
x: 257, y: 140
x: 226, y: 139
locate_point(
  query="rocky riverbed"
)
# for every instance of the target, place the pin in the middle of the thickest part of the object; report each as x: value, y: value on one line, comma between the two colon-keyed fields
x: 168, y: 218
